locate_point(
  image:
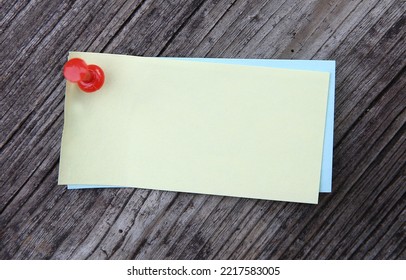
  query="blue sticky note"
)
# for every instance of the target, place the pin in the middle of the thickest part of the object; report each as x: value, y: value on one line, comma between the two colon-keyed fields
x: 310, y: 65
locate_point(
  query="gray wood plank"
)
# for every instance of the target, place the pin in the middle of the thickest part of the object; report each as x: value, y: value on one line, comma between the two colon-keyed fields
x: 364, y: 217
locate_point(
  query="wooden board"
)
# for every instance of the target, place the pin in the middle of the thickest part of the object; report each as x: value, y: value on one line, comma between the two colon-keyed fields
x: 364, y: 217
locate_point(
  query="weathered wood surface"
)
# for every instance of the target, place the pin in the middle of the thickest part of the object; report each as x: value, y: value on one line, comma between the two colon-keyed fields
x: 364, y: 217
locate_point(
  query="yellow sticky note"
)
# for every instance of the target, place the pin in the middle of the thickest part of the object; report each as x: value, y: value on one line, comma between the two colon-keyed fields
x: 232, y: 130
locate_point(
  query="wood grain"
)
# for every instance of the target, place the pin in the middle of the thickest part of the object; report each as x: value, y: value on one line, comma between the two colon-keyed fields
x: 364, y: 217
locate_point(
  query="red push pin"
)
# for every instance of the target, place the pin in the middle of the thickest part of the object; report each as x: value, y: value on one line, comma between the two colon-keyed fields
x: 88, y: 77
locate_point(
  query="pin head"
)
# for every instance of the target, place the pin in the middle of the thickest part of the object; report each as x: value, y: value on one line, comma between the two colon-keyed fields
x: 88, y: 77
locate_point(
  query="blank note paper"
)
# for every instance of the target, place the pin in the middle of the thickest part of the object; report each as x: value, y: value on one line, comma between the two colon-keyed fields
x: 314, y: 65
x: 197, y: 127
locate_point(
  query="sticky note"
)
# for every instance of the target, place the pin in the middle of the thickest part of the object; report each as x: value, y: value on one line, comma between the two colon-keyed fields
x: 313, y: 65
x: 197, y: 127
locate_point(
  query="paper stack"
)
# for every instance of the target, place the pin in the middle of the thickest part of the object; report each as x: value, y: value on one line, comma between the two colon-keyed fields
x: 250, y: 128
